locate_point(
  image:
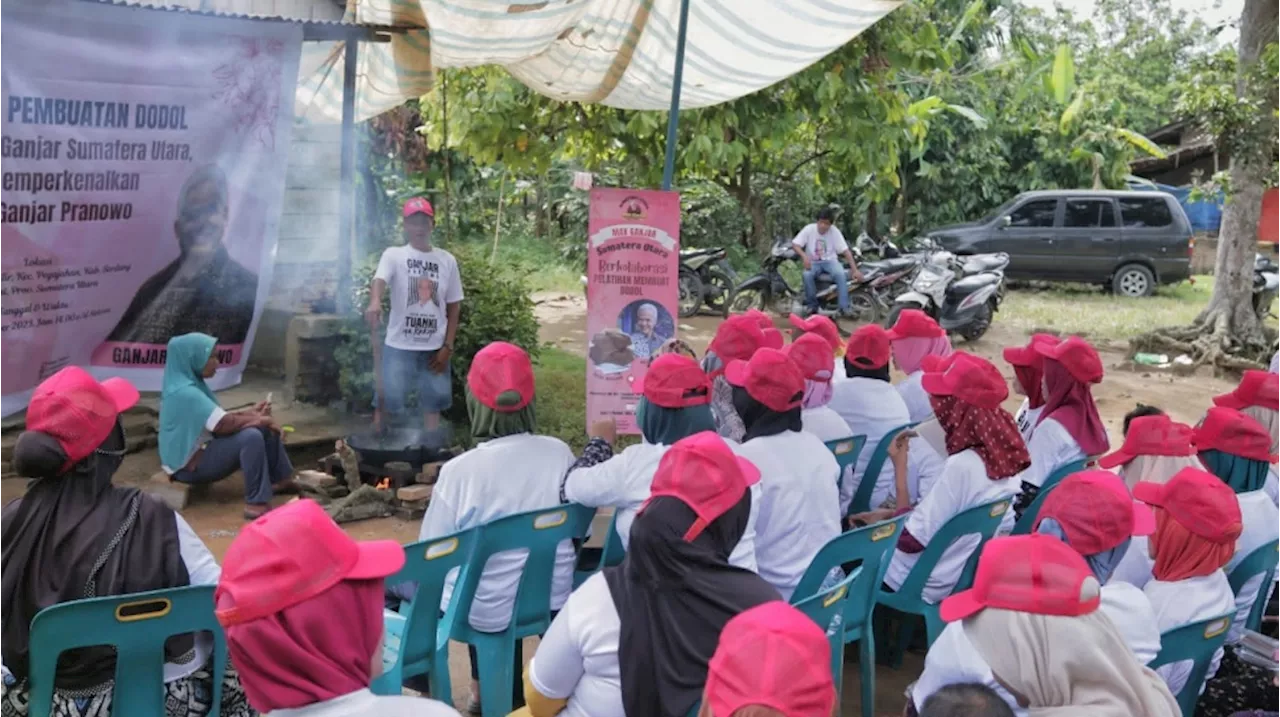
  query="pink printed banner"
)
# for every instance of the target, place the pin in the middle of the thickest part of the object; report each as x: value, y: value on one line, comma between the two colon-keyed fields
x: 633, y: 259
x: 144, y: 155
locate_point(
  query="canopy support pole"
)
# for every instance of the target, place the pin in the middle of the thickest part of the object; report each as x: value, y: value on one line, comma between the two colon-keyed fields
x: 346, y: 191
x: 673, y: 118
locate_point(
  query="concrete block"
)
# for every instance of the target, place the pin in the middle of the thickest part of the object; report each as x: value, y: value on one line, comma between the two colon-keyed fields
x: 430, y: 473
x: 316, y: 481
x: 412, y: 493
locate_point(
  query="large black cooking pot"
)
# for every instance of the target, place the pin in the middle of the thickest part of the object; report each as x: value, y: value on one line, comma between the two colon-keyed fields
x: 406, y: 445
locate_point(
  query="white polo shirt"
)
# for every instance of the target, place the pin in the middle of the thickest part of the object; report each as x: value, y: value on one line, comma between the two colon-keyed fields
x: 1183, y: 602
x: 871, y: 408
x: 1050, y: 447
x: 964, y: 484
x: 577, y: 659
x: 799, y: 506
x: 497, y: 478
x: 915, y: 397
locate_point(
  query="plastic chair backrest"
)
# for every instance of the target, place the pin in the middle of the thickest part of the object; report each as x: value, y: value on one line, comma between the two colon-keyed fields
x: 866, y: 546
x: 539, y: 531
x: 822, y: 609
x: 1028, y: 519
x: 983, y: 520
x: 1198, y: 641
x: 1262, y: 561
x: 846, y: 451
x: 614, y: 552
x: 427, y: 563
x: 867, y: 481
x: 137, y: 625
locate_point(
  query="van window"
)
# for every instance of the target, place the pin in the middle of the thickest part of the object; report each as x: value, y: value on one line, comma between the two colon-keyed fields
x: 1087, y: 213
x: 1034, y: 214
x: 1145, y: 212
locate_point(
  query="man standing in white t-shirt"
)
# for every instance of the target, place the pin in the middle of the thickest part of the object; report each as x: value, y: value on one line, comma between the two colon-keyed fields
x: 819, y: 244
x: 426, y: 297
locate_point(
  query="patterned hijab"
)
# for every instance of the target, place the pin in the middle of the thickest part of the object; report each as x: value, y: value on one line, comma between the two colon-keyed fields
x: 990, y: 432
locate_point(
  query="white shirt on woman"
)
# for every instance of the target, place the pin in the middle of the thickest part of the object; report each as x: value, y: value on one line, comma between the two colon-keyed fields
x: 1183, y: 602
x: 824, y: 423
x: 964, y: 484
x: 497, y: 478
x: 870, y: 407
x: 915, y: 397
x: 1051, y: 447
x: 577, y: 659
x: 1261, y: 521
x: 1026, y: 418
x: 624, y: 481
x: 799, y: 506
x: 363, y: 703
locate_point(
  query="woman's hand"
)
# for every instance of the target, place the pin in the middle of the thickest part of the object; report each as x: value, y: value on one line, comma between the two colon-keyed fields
x: 858, y: 520
x: 606, y: 428
x: 899, y: 448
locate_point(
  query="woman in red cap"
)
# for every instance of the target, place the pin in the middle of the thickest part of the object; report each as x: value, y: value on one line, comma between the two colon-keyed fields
x: 826, y: 329
x: 913, y: 337
x: 799, y: 501
x: 772, y: 661
x: 1028, y: 372
x: 1030, y: 629
x: 985, y: 452
x: 737, y: 338
x: 675, y: 397
x: 74, y: 535
x: 477, y: 487
x: 1257, y: 397
x: 636, y: 639
x: 812, y: 355
x: 1155, y: 448
x: 1197, y: 524
x: 1069, y: 428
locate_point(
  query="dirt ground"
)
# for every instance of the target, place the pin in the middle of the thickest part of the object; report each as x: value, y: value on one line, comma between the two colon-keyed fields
x: 216, y: 515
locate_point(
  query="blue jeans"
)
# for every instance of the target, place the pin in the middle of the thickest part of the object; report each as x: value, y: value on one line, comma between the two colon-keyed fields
x: 258, y: 452
x: 835, y: 270
x: 403, y: 370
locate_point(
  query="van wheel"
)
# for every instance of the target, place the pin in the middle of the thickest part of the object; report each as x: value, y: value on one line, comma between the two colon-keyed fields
x: 1133, y: 280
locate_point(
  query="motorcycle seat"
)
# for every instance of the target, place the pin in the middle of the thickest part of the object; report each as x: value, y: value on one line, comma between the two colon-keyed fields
x: 976, y: 263
x: 699, y: 252
x: 887, y: 265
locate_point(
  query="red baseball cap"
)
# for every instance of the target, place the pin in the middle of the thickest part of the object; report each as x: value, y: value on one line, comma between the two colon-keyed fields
x: 418, y: 205
x: 1028, y: 355
x: 772, y: 656
x: 812, y: 355
x: 674, y: 381
x: 1077, y: 356
x: 770, y: 378
x: 821, y: 325
x: 1036, y: 574
x: 1156, y: 435
x: 501, y: 377
x: 77, y: 411
x: 971, y: 379
x: 1230, y: 431
x: 915, y: 324
x: 738, y: 337
x: 290, y: 555
x: 1199, y: 501
x: 773, y: 339
x: 868, y: 347
x: 938, y: 364
x: 1096, y: 511
x: 763, y: 320
x: 1257, y: 388
x: 703, y: 471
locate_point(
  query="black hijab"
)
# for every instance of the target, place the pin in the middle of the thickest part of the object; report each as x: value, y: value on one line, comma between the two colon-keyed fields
x: 760, y: 420
x: 673, y: 597
x: 852, y: 370
x: 69, y: 520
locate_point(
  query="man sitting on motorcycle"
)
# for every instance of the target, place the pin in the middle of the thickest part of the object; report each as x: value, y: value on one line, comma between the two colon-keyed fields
x: 819, y: 246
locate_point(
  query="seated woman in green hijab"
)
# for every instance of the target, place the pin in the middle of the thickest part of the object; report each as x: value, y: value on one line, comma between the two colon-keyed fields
x: 202, y: 443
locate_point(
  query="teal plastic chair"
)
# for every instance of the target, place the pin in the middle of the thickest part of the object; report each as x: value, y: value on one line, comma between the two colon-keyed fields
x: 1262, y: 561
x: 540, y: 531
x: 137, y: 625
x: 611, y: 555
x: 823, y: 609
x: 417, y: 642
x: 846, y: 451
x: 1197, y: 642
x: 1028, y: 519
x: 869, y: 547
x: 983, y: 520
x: 861, y: 502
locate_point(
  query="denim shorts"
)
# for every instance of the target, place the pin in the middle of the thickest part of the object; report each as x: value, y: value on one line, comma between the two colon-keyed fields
x: 404, y: 372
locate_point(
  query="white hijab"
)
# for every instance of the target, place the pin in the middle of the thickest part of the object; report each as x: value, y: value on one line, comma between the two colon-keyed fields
x: 1267, y: 417
x: 1156, y: 469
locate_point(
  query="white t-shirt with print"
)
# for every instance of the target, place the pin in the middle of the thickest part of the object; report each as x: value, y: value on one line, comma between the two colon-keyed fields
x: 821, y: 247
x: 964, y: 484
x: 623, y: 483
x: 1183, y: 602
x: 497, y: 478
x: 1026, y: 418
x: 1051, y: 447
x: 1261, y: 521
x: 423, y: 284
x: 871, y: 408
x: 799, y: 509
x: 577, y: 659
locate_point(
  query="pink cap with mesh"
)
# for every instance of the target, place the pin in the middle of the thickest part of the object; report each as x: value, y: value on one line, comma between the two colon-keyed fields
x: 772, y: 656
x: 77, y: 411
x: 1037, y: 574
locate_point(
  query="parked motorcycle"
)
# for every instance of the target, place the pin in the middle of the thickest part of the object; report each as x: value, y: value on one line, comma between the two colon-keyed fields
x: 1266, y: 284
x: 706, y: 278
x: 770, y: 291
x: 961, y: 293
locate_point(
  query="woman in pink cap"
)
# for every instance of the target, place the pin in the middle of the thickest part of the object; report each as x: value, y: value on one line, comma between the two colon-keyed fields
x: 914, y: 336
x: 1028, y: 373
x: 74, y: 535
x: 737, y: 338
x: 1031, y: 629
x: 1155, y: 448
x: 1069, y: 428
x: 301, y: 604
x: 1257, y: 397
x: 812, y: 355
x: 772, y: 661
x: 824, y: 328
x: 636, y: 639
